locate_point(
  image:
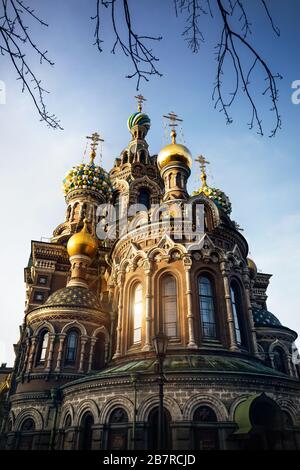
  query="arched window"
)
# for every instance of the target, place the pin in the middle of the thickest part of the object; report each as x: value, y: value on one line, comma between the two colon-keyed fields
x: 43, y: 346
x: 169, y: 306
x: 125, y: 158
x: 279, y: 360
x: 207, y: 308
x: 144, y: 198
x: 86, y: 432
x: 142, y: 156
x: 118, y: 430
x: 236, y: 303
x: 206, y: 436
x: 99, y: 352
x: 68, y: 422
x: 153, y: 443
x: 137, y: 314
x: 27, y: 434
x: 178, y: 180
x: 72, y: 346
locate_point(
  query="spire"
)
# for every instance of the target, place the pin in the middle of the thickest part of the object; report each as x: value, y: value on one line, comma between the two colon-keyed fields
x: 95, y: 139
x: 201, y: 160
x: 140, y: 100
x: 174, y: 119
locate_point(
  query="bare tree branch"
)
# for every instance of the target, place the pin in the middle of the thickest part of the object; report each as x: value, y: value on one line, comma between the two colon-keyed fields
x: 229, y: 48
x: 230, y: 41
x: 134, y: 46
x: 14, y: 37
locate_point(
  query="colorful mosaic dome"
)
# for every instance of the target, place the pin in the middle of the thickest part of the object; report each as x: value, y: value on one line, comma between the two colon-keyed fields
x: 218, y: 196
x: 73, y: 296
x: 138, y: 119
x: 263, y: 317
x: 88, y: 176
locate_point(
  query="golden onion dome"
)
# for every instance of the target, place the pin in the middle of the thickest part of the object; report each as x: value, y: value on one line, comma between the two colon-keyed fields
x: 174, y: 153
x: 82, y: 243
x: 252, y: 267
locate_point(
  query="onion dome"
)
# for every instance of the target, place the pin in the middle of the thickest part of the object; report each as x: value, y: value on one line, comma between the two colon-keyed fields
x: 82, y: 243
x: 73, y: 296
x: 138, y: 119
x: 88, y: 176
x: 252, y: 267
x: 218, y: 196
x: 263, y: 317
x: 173, y: 154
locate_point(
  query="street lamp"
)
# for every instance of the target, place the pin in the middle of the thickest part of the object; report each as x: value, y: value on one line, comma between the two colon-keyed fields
x: 160, y: 344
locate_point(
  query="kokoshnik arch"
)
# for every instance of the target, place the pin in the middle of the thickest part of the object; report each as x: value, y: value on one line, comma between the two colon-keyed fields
x: 85, y: 375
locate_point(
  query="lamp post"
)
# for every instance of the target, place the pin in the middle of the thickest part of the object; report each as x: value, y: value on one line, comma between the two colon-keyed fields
x: 160, y: 344
x: 134, y: 379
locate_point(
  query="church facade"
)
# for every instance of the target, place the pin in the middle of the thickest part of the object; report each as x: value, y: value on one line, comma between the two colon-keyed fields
x: 85, y: 374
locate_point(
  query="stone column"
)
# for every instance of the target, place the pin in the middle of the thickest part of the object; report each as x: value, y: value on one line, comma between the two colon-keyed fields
x: 148, y: 306
x: 121, y: 277
x: 34, y: 341
x: 93, y: 342
x: 72, y: 213
x: 62, y: 337
x: 249, y: 310
x: 50, y: 351
x: 83, y: 342
x: 230, y: 322
x: 187, y: 262
x: 26, y: 355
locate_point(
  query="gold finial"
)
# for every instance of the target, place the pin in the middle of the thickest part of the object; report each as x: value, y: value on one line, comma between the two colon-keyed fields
x: 173, y: 123
x: 201, y: 160
x: 95, y: 139
x: 140, y: 99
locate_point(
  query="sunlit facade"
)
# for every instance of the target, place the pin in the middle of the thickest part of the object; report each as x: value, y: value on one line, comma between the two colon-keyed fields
x: 85, y: 375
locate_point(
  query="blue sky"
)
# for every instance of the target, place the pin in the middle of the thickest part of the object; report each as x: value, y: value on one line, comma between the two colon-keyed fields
x: 89, y: 92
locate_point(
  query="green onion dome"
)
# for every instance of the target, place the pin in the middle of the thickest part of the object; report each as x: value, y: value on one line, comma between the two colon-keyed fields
x: 218, y: 196
x: 138, y: 119
x: 88, y: 176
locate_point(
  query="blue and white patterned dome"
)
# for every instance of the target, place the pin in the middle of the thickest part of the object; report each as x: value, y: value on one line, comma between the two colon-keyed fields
x: 263, y: 317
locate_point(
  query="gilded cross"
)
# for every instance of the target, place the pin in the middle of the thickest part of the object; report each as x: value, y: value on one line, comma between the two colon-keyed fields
x: 174, y: 119
x: 140, y: 100
x: 95, y: 139
x: 201, y: 160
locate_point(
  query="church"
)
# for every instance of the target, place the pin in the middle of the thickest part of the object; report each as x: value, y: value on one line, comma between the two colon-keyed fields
x: 146, y: 323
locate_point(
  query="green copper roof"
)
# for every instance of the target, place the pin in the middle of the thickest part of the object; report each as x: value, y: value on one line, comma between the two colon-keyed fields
x: 196, y: 363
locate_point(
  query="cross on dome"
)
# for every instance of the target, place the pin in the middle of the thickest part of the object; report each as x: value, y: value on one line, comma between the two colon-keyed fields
x: 202, y: 162
x: 95, y: 139
x: 140, y: 99
x: 174, y: 119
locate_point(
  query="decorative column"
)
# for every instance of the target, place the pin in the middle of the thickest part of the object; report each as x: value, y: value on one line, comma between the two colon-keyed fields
x: 148, y: 306
x: 26, y: 356
x: 50, y: 351
x: 84, y: 340
x: 62, y: 337
x: 187, y: 263
x: 93, y: 342
x: 230, y: 323
x: 34, y: 340
x: 249, y: 310
x: 121, y: 277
